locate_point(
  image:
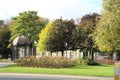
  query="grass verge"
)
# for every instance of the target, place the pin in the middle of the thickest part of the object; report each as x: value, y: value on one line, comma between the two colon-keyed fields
x: 83, y: 70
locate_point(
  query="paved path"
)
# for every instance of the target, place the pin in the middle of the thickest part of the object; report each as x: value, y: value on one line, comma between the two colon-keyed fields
x: 50, y: 77
x: 2, y: 64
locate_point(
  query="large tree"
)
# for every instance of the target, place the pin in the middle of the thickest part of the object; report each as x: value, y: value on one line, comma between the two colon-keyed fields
x: 28, y: 24
x: 82, y: 35
x: 45, y: 36
x: 57, y: 35
x: 64, y: 33
x: 4, y: 41
x: 108, y: 29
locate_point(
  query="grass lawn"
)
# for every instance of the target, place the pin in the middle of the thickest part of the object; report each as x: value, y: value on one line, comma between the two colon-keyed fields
x: 104, y: 70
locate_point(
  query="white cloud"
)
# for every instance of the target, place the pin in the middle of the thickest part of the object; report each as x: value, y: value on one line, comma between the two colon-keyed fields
x: 49, y: 8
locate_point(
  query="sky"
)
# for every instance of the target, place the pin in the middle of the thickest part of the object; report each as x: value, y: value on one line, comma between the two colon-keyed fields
x: 51, y: 9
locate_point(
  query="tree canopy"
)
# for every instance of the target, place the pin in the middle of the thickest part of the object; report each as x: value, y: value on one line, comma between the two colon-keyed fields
x: 4, y: 41
x: 56, y: 34
x: 45, y: 36
x: 84, y: 31
x: 28, y: 24
x: 108, y: 28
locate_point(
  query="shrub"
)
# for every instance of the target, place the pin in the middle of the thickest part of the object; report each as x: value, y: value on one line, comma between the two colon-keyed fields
x: 27, y: 61
x: 87, y: 62
x: 106, y: 61
x: 92, y: 62
x: 81, y: 62
x: 46, y: 62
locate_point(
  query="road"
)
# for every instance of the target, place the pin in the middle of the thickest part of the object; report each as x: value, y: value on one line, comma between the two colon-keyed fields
x: 42, y: 78
x: 26, y: 76
x: 3, y: 64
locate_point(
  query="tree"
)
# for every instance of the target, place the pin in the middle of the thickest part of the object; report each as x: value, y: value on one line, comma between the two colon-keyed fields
x: 108, y: 29
x: 56, y: 35
x: 4, y: 41
x: 77, y: 38
x: 44, y: 37
x: 63, y: 35
x: 28, y: 24
x: 82, y: 34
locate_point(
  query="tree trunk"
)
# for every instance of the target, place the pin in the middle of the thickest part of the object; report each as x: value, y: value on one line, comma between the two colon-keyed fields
x: 85, y: 54
x: 111, y: 55
x: 62, y: 53
x: 50, y: 54
x: 92, y: 54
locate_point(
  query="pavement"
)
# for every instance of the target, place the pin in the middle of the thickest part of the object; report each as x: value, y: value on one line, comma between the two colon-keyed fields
x: 51, y: 75
x: 4, y: 64
x: 56, y: 76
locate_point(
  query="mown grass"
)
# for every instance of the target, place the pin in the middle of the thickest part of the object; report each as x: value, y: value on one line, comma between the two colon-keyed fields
x: 84, y: 70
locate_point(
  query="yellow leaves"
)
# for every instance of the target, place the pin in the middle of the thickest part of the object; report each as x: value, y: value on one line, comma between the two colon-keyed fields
x: 108, y: 31
x: 111, y: 5
x: 44, y: 36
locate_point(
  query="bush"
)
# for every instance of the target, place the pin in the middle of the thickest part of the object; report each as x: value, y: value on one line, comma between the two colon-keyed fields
x: 86, y: 62
x: 106, y: 61
x: 45, y: 62
x: 92, y: 62
x: 81, y: 62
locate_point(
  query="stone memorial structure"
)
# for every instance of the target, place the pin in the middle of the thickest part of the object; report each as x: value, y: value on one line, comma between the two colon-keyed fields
x: 21, y: 47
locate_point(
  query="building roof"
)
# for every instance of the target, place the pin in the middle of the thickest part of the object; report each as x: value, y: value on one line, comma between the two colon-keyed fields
x: 21, y: 41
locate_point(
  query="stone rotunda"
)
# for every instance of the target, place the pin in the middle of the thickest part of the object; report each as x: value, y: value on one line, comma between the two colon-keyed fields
x: 21, y: 47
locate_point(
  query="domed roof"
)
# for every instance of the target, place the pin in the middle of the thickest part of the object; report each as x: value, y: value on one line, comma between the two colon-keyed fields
x: 21, y: 41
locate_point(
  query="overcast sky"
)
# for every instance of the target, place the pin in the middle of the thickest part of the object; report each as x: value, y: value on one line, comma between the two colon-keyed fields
x: 51, y: 9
